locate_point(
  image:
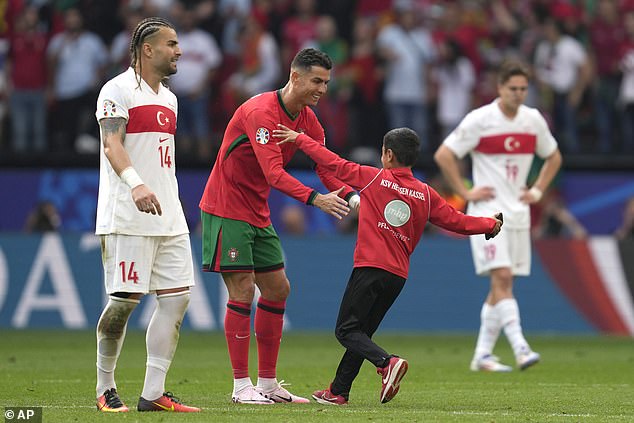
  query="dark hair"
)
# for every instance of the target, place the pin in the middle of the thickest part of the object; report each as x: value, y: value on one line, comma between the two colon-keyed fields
x: 404, y: 143
x: 144, y: 29
x: 511, y: 68
x: 309, y: 57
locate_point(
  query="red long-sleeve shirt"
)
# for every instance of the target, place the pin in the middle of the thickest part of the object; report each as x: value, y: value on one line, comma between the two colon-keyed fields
x: 395, y: 206
x: 250, y: 162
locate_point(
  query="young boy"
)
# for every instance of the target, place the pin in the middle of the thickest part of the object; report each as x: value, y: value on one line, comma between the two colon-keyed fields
x: 395, y: 206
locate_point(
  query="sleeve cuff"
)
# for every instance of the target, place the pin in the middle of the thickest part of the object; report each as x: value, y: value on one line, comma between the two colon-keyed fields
x: 311, y: 198
x: 349, y: 195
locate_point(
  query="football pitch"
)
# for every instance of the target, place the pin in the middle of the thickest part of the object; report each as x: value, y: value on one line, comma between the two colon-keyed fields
x: 580, y: 379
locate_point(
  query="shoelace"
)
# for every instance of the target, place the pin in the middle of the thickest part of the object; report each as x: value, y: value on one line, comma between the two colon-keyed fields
x: 281, y: 384
x: 112, y: 399
x: 172, y: 398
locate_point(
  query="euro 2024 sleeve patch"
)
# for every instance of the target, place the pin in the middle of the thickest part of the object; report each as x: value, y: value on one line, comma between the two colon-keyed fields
x: 262, y: 136
x: 109, y: 108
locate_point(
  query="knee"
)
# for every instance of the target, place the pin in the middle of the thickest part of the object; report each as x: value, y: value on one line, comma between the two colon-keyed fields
x: 502, y: 283
x: 241, y: 287
x: 111, y: 324
x: 341, y: 334
x: 278, y: 291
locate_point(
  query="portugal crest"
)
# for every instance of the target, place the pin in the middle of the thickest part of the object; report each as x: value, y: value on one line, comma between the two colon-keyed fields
x: 233, y: 254
x: 262, y: 136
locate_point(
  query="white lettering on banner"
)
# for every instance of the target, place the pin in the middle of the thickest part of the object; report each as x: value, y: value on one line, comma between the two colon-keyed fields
x: 50, y: 258
x: 4, y: 278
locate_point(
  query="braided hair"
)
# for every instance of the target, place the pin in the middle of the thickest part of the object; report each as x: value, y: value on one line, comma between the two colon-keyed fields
x: 144, y: 29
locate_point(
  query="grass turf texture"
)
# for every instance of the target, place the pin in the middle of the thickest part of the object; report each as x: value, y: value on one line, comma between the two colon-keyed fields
x: 581, y: 379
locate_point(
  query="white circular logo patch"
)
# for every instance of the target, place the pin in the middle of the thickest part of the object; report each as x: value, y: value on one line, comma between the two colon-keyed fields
x: 109, y: 108
x: 262, y: 136
x: 397, y: 213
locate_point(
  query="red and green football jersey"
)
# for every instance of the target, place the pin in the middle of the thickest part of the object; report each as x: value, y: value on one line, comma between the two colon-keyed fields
x: 250, y: 162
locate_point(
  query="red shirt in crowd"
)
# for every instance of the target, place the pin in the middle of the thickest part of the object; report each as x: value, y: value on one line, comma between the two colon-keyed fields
x: 28, y: 60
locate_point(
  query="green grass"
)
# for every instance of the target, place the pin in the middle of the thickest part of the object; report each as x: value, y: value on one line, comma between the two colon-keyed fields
x: 581, y: 379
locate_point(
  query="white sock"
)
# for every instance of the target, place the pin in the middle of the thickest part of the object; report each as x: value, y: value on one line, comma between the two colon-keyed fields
x: 240, y: 384
x: 490, y: 327
x: 161, y: 339
x: 267, y: 384
x: 111, y: 330
x: 509, y: 313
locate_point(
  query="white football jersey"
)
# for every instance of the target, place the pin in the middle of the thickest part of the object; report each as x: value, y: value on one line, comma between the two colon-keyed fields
x: 149, y: 141
x: 502, y: 151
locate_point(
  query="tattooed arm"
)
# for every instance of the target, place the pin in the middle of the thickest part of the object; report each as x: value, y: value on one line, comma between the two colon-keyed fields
x: 113, y: 136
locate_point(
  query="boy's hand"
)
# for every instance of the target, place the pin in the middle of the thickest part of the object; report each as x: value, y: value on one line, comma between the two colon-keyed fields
x: 285, y: 134
x: 498, y: 225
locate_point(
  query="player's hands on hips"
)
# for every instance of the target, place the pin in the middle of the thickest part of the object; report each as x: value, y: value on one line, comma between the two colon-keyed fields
x: 530, y: 196
x: 285, y: 134
x: 480, y: 194
x: 332, y: 204
x: 145, y: 200
x: 354, y: 202
x: 499, y: 221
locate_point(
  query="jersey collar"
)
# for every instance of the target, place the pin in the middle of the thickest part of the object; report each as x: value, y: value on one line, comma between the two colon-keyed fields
x: 279, y: 99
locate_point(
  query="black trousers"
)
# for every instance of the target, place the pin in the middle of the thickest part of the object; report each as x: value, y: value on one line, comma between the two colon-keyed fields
x: 369, y: 295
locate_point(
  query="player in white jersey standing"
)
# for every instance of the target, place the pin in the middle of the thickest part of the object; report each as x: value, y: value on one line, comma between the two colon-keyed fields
x: 502, y: 138
x: 144, y: 236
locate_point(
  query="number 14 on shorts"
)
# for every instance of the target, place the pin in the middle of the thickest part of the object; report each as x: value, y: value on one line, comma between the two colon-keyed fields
x: 128, y: 274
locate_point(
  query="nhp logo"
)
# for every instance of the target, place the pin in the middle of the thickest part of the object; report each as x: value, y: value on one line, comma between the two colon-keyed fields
x: 397, y: 213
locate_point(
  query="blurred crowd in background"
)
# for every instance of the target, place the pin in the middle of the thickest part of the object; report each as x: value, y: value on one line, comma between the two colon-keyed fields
x: 417, y: 63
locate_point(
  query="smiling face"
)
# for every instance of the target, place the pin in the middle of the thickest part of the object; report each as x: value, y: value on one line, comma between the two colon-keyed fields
x: 310, y: 85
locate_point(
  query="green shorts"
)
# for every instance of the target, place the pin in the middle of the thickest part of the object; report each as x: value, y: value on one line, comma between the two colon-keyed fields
x: 235, y: 246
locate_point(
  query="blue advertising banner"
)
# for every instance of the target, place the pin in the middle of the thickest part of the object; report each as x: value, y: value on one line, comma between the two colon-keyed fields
x: 55, y: 281
x: 596, y: 199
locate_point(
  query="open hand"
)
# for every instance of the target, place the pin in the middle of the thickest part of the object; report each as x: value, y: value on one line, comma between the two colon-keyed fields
x: 285, y: 134
x: 332, y: 204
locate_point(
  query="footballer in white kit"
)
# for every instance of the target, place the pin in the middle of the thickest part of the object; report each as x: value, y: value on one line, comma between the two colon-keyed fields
x: 502, y: 138
x: 143, y: 252
x: 502, y: 152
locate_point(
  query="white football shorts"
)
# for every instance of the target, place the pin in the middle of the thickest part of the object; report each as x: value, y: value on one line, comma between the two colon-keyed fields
x: 144, y: 264
x: 510, y: 248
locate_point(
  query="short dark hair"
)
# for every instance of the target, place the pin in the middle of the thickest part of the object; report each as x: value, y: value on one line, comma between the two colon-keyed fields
x: 404, y: 143
x: 309, y: 57
x: 510, y: 68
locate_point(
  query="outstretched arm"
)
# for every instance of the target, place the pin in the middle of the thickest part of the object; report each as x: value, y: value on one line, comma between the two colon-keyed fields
x: 444, y: 215
x: 351, y: 173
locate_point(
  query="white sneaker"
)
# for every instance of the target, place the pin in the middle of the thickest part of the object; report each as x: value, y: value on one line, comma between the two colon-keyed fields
x: 250, y: 395
x: 488, y: 363
x: 281, y: 395
x: 527, y: 358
